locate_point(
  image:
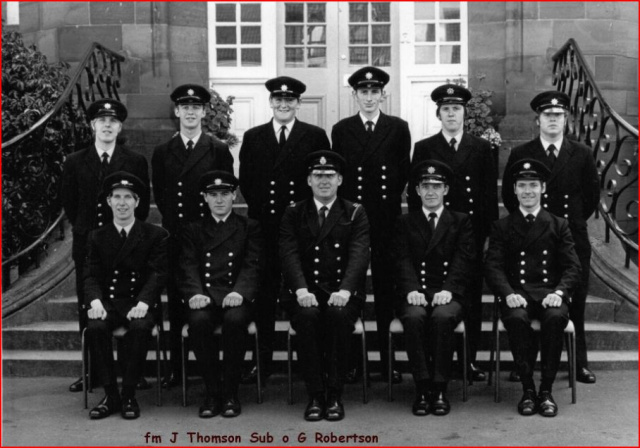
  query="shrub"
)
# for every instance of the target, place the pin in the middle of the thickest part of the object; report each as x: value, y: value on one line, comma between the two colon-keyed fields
x: 218, y: 119
x: 479, y: 121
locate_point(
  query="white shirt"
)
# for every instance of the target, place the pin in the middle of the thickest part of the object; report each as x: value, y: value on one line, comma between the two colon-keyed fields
x: 534, y: 213
x: 319, y: 205
x: 217, y: 220
x: 545, y: 145
x: 437, y: 212
x: 374, y: 120
x: 126, y: 228
x: 448, y: 138
x: 109, y: 153
x: 277, y: 126
x: 186, y: 139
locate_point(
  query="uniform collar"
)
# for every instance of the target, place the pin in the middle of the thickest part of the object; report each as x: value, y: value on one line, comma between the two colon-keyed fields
x: 320, y: 204
x: 186, y: 139
x: 546, y: 143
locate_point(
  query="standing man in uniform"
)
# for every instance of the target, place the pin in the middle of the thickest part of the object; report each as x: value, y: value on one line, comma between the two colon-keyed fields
x: 124, y: 275
x: 572, y: 193
x: 376, y: 148
x: 82, y: 177
x: 473, y: 190
x: 435, y: 251
x: 220, y: 263
x: 273, y: 176
x: 324, y: 248
x: 532, y: 265
x: 177, y: 166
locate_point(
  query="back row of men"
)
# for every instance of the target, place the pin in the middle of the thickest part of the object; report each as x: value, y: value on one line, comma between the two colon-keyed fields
x: 373, y: 169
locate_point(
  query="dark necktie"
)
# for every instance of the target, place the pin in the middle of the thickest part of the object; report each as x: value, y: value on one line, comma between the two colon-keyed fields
x: 551, y: 154
x: 104, y: 166
x: 123, y: 234
x: 283, y: 136
x: 369, y: 126
x: 189, y: 146
x: 452, y: 144
x: 322, y: 215
x: 530, y: 218
x: 432, y: 221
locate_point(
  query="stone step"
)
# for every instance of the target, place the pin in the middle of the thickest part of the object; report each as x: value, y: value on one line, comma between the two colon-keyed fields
x: 63, y: 335
x: 597, y: 310
x: 32, y: 363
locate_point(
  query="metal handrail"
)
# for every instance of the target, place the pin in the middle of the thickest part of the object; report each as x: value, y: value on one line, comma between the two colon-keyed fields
x: 591, y: 118
x: 101, y: 69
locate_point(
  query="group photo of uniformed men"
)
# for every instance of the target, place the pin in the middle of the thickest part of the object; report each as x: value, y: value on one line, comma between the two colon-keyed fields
x: 319, y: 214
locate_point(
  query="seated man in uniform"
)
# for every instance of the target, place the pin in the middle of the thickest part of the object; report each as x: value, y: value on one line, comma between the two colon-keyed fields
x: 218, y: 278
x: 124, y: 274
x: 435, y: 251
x: 532, y: 265
x: 324, y: 251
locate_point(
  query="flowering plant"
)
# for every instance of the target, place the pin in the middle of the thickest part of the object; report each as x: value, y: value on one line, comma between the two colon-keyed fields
x: 492, y: 136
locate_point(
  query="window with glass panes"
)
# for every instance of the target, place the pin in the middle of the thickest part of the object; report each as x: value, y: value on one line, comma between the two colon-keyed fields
x: 370, y: 34
x: 305, y: 35
x: 238, y: 35
x: 437, y: 32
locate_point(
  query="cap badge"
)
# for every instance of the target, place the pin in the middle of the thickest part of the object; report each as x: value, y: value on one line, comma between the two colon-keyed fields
x: 554, y: 101
x: 217, y: 181
x: 190, y: 92
x: 431, y: 170
x: 124, y: 182
x: 526, y: 166
x: 284, y: 87
x: 323, y: 161
x: 450, y: 91
x: 369, y: 75
x: 107, y: 106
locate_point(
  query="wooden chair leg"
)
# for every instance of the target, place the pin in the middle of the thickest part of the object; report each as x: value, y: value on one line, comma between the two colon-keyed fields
x: 365, y: 373
x: 184, y: 354
x: 465, y: 374
x: 390, y: 369
x: 258, y: 368
x: 289, y: 373
x: 158, y: 371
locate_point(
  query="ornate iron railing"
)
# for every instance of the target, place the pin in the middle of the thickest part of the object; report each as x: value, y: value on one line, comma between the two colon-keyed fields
x: 97, y: 76
x: 614, y: 143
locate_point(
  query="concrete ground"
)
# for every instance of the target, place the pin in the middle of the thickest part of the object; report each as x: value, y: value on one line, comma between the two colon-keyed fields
x: 40, y: 411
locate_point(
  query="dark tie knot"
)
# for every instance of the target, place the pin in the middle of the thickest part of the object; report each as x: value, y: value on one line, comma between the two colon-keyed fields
x: 452, y: 143
x: 432, y: 216
x: 189, y: 145
x: 530, y: 218
x: 105, y: 158
x: 432, y: 220
x: 369, y: 126
x: 322, y: 214
x: 123, y: 234
x: 283, y: 136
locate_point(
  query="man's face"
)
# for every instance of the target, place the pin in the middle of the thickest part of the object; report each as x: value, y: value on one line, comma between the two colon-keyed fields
x: 220, y: 202
x: 529, y: 192
x: 452, y: 117
x: 324, y: 186
x: 551, y: 124
x: 432, y: 195
x: 369, y: 99
x: 106, y: 129
x: 190, y: 116
x: 284, y: 109
x: 123, y: 203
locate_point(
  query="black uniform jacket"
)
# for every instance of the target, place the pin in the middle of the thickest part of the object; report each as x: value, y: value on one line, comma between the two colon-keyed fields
x: 329, y: 259
x: 532, y: 261
x: 431, y: 263
x: 474, y: 189
x: 81, y: 191
x: 572, y: 189
x: 216, y: 259
x: 176, y: 176
x: 270, y: 178
x: 121, y: 275
x: 377, y: 167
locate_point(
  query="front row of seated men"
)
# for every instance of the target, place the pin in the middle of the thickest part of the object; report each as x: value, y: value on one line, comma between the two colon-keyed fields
x: 324, y: 249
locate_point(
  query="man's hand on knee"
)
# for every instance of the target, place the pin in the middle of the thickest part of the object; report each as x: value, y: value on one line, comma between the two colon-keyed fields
x: 138, y: 312
x: 97, y: 311
x: 442, y: 298
x: 231, y: 300
x: 416, y: 298
x: 516, y: 301
x: 305, y: 298
x: 339, y: 298
x: 199, y: 301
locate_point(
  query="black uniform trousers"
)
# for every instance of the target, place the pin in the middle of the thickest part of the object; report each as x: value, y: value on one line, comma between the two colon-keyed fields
x: 523, y: 343
x: 79, y: 253
x: 176, y: 308
x: 429, y: 339
x: 132, y: 351
x: 579, y: 297
x: 202, y: 325
x: 322, y: 341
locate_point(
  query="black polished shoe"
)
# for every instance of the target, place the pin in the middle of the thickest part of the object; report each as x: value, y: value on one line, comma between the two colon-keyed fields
x: 170, y: 381
x: 335, y: 409
x: 231, y: 407
x: 143, y: 384
x: 514, y: 377
x: 251, y: 377
x: 395, y: 375
x: 421, y: 405
x: 439, y: 404
x: 352, y: 376
x: 130, y: 408
x: 476, y: 374
x: 528, y: 404
x: 315, y: 409
x: 547, y: 406
x: 210, y: 407
x: 585, y: 375
x: 76, y: 386
x: 106, y: 407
